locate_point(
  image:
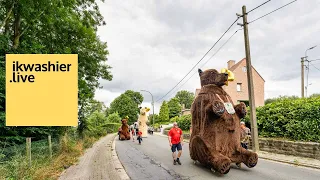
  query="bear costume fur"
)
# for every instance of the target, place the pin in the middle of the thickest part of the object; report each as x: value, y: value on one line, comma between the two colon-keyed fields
x: 215, y: 138
x: 124, y: 133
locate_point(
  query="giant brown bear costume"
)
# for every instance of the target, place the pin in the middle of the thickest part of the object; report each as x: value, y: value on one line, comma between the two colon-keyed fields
x: 124, y: 133
x: 215, y: 138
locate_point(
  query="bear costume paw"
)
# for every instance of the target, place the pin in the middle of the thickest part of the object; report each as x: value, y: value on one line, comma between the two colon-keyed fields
x: 241, y: 110
x: 216, y: 107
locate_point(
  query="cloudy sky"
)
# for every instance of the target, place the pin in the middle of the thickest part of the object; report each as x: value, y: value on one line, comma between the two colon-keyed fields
x: 153, y: 44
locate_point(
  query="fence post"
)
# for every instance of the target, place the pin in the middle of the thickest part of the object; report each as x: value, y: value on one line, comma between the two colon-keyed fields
x: 28, y: 145
x: 50, y: 146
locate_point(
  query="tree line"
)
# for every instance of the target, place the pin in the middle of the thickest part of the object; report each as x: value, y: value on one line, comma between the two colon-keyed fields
x: 127, y: 104
x: 54, y: 27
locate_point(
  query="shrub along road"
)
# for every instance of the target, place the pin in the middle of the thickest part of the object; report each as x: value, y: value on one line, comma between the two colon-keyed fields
x: 152, y: 160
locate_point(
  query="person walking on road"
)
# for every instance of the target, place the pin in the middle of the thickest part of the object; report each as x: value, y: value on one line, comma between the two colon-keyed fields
x: 176, y: 141
x: 119, y: 130
x: 139, y: 138
x: 245, y: 135
x: 136, y: 127
x: 132, y: 132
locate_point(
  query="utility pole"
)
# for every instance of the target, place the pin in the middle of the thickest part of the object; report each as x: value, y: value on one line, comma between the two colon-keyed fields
x: 302, y: 77
x: 253, y: 118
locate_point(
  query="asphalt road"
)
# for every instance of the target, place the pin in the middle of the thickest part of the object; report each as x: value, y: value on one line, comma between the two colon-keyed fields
x: 152, y: 160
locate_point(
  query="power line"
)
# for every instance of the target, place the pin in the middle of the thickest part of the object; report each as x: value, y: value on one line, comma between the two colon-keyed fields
x: 314, y: 60
x: 209, y: 58
x: 258, y: 6
x: 272, y: 11
x: 200, y: 59
x: 315, y: 66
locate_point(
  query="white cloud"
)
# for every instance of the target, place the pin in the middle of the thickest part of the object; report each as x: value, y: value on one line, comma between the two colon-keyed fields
x: 153, y: 44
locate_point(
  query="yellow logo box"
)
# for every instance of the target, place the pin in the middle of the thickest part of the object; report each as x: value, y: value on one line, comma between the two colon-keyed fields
x: 41, y: 90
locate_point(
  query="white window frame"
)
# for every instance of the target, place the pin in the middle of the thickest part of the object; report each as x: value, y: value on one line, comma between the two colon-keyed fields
x: 239, y: 87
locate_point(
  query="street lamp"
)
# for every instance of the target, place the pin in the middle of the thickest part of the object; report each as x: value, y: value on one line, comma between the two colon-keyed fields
x: 152, y: 107
x: 307, y: 89
x: 306, y: 59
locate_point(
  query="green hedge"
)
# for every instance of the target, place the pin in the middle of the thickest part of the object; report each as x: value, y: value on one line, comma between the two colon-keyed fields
x: 296, y: 119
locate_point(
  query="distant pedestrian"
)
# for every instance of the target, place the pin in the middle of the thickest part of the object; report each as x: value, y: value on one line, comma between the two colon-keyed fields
x: 176, y: 141
x: 139, y: 138
x: 132, y: 132
x: 245, y: 135
x: 136, y: 127
x: 119, y: 130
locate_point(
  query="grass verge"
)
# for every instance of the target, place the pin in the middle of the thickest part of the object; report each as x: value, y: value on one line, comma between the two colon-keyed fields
x: 66, y: 152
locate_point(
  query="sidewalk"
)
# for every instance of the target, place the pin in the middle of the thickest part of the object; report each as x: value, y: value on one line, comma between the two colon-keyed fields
x: 294, y: 160
x: 98, y: 162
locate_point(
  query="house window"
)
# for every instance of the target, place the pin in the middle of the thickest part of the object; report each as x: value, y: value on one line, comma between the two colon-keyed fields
x: 244, y: 69
x: 238, y: 87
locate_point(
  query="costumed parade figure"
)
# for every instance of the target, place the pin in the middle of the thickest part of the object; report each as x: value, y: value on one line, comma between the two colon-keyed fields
x: 142, y: 121
x: 124, y: 132
x: 215, y: 138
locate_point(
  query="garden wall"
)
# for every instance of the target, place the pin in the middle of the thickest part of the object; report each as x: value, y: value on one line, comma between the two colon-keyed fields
x: 302, y: 149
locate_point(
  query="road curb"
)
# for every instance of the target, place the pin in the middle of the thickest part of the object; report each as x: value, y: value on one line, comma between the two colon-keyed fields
x: 271, y: 159
x: 289, y: 162
x: 117, y: 164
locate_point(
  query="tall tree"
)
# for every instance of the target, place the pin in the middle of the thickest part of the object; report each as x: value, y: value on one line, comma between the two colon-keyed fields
x: 185, y: 97
x: 174, y: 107
x: 135, y: 96
x: 156, y: 118
x: 114, y: 118
x: 56, y: 27
x: 164, y: 112
x: 125, y: 105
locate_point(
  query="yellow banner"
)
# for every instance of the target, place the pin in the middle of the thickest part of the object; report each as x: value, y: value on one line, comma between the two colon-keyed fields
x: 41, y: 90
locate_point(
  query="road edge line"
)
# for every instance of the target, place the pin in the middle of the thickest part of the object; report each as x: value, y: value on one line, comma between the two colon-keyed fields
x: 117, y: 163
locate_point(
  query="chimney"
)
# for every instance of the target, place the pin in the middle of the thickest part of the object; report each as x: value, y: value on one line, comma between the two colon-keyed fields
x: 230, y: 63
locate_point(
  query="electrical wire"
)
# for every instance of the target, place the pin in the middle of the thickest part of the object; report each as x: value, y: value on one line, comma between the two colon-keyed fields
x: 314, y: 60
x: 272, y: 11
x: 222, y: 36
x: 258, y: 6
x: 315, y: 66
x: 200, y: 59
x: 208, y: 59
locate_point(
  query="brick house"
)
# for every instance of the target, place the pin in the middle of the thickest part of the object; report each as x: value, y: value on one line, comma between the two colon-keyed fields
x: 238, y: 89
x: 185, y: 111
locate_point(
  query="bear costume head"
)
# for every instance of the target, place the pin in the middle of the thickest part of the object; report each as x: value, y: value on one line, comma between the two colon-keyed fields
x: 212, y: 76
x: 124, y: 122
x: 144, y: 110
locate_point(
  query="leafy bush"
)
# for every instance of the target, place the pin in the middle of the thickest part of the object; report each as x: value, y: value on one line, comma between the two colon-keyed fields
x: 184, y: 122
x: 156, y: 126
x: 296, y: 119
x: 99, y: 125
x: 114, y: 118
x: 271, y: 100
x: 174, y: 119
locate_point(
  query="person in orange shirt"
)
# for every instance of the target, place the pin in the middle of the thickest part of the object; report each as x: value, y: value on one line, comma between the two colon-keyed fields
x: 176, y: 141
x: 139, y: 136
